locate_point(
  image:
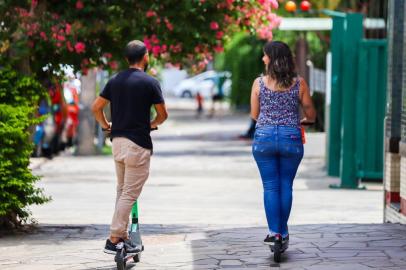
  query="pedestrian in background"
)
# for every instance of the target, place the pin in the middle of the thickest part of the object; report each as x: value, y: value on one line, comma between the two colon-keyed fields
x: 217, y: 94
x: 199, y: 102
x: 276, y: 98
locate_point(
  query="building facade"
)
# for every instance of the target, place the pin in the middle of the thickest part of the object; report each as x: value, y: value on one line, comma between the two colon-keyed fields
x: 395, y: 127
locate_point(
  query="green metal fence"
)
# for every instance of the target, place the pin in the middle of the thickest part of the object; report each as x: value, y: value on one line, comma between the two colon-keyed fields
x: 358, y: 99
x: 370, y: 111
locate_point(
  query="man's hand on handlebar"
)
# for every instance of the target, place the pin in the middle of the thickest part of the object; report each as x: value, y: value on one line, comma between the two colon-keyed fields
x: 107, y: 128
x: 153, y: 127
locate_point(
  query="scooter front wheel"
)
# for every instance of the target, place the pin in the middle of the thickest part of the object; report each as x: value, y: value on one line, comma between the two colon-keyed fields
x: 120, y: 259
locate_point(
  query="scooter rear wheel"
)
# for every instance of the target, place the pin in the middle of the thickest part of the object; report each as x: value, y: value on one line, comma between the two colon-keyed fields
x: 137, y: 258
x: 277, y: 251
x: 121, y: 265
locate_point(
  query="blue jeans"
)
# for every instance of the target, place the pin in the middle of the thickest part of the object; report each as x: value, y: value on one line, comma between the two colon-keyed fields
x: 278, y: 151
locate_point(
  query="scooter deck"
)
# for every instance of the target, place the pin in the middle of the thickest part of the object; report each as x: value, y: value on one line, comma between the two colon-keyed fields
x: 129, y: 256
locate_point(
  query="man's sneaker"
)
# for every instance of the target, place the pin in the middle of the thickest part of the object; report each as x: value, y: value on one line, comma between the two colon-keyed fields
x: 269, y: 240
x: 130, y: 248
x: 110, y: 248
x: 285, y: 239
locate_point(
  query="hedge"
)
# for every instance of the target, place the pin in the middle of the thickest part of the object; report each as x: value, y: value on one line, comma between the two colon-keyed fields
x: 19, y: 96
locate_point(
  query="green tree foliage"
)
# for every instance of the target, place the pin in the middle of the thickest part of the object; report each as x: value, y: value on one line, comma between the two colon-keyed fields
x: 242, y: 58
x: 326, y: 4
x: 17, y: 110
x: 19, y: 90
x: 86, y: 33
x: 317, y: 48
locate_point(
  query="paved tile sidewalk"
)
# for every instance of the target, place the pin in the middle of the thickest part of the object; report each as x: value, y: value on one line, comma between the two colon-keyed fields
x: 202, y: 174
x: 343, y: 246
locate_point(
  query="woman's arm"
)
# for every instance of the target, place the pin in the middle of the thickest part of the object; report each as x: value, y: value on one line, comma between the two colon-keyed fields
x: 307, y: 103
x: 255, y: 100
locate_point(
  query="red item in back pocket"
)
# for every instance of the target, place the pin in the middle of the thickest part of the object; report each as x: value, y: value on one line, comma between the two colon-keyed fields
x: 303, y: 135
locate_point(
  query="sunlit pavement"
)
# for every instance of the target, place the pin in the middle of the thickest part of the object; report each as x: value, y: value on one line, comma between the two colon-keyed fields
x: 202, y: 209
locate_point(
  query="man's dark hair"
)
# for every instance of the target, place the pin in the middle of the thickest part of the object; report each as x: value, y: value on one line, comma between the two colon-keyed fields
x: 135, y: 51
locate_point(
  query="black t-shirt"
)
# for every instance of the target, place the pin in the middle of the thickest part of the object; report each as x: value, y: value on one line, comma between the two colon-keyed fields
x: 131, y: 94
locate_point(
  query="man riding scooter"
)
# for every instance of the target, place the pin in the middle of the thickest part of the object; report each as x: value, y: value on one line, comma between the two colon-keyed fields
x: 131, y: 93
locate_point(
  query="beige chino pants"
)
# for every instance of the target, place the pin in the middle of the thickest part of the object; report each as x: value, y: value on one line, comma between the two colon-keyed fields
x: 132, y: 170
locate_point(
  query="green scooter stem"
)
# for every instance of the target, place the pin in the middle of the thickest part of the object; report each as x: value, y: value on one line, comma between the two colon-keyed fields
x: 134, y: 217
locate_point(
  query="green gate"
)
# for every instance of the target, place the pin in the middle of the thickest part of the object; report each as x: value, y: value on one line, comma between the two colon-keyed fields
x: 358, y: 96
x: 370, y: 112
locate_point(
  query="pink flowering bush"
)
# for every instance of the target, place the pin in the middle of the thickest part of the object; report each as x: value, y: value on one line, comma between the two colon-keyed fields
x: 82, y: 32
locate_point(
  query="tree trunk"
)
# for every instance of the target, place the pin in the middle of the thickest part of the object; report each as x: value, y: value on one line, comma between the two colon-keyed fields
x: 302, y: 51
x: 87, y: 123
x: 23, y: 64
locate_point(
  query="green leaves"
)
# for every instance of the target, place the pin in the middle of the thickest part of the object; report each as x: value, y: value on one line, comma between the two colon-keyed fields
x: 18, y: 99
x: 16, y: 90
x: 242, y: 58
x: 48, y: 35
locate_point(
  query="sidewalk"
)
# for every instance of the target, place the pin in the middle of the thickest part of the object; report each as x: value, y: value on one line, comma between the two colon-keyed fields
x: 202, y: 209
x: 322, y: 246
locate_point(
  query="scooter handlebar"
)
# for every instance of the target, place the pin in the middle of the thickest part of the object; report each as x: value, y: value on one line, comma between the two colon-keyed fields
x: 307, y: 123
x: 107, y: 129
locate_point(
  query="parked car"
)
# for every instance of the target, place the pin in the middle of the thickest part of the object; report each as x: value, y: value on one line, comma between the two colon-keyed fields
x: 204, y: 83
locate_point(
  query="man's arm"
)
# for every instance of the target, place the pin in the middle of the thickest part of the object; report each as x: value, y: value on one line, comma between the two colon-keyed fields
x: 97, y: 109
x: 161, y: 115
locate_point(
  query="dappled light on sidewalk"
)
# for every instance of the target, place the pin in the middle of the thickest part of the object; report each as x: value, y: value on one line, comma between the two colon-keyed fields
x: 202, y: 209
x: 320, y: 246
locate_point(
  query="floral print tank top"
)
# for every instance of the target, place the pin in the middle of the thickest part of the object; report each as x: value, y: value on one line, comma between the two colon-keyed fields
x: 278, y: 107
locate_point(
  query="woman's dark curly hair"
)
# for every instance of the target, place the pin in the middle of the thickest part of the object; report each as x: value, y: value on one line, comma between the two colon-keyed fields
x: 281, y: 67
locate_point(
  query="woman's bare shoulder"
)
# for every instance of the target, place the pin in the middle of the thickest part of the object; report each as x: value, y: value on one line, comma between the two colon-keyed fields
x: 257, y: 81
x: 255, y: 85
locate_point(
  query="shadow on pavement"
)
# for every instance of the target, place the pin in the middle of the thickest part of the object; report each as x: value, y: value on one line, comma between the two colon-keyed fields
x: 215, y: 136
x: 321, y: 246
x: 202, y: 152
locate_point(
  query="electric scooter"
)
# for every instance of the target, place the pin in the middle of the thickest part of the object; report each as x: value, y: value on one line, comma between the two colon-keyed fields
x: 121, y: 256
x: 279, y: 247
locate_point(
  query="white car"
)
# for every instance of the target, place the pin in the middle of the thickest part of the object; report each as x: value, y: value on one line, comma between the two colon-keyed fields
x: 203, y: 83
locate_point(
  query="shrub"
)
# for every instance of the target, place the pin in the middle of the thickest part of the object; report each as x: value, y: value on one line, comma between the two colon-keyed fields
x: 18, y: 97
x: 19, y: 90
